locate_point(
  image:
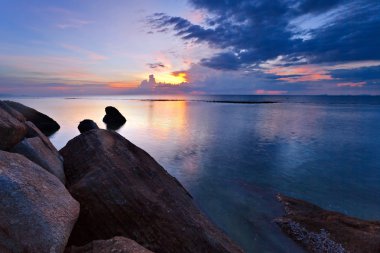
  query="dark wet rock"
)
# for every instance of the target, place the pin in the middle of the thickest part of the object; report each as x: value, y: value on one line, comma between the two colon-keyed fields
x: 117, y: 244
x: 12, y: 127
x: 37, y: 213
x: 46, y: 124
x: 87, y: 125
x: 11, y: 111
x: 113, y: 118
x: 33, y: 131
x: 38, y: 152
x: 123, y: 191
x: 320, y: 230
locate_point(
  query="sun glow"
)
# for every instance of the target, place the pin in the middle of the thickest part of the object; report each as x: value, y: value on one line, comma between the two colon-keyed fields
x: 174, y: 78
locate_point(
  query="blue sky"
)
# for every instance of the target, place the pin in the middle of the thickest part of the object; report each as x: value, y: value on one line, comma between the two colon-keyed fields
x: 88, y: 47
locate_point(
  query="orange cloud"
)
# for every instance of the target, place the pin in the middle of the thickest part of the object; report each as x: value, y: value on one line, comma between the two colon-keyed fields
x: 304, y: 73
x: 309, y: 73
x: 123, y: 85
x: 306, y: 78
x: 271, y: 92
x: 351, y: 84
x: 78, y: 75
x: 354, y: 65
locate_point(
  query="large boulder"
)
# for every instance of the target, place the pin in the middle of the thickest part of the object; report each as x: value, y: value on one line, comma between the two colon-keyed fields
x: 117, y: 244
x: 11, y: 111
x: 12, y: 127
x: 113, y: 118
x: 123, y: 191
x: 319, y: 230
x: 37, y: 213
x: 87, y: 125
x: 46, y: 124
x: 33, y: 131
x: 38, y: 152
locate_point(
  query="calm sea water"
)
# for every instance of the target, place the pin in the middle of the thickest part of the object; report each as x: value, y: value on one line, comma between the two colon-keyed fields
x: 234, y: 158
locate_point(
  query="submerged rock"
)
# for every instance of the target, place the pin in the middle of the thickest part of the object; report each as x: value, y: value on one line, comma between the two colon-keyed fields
x: 319, y: 230
x: 46, y: 124
x: 117, y: 244
x: 12, y: 127
x: 123, y: 191
x: 37, y: 213
x: 113, y: 118
x: 87, y: 125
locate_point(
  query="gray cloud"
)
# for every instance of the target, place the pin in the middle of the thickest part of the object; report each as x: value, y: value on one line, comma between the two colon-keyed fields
x: 156, y: 65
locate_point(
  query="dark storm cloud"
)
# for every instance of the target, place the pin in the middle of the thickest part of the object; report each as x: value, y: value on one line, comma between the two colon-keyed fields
x: 222, y: 61
x: 253, y: 31
x: 370, y: 74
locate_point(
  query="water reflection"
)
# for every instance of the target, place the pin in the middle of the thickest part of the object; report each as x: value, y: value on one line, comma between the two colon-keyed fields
x: 234, y: 158
x: 168, y: 118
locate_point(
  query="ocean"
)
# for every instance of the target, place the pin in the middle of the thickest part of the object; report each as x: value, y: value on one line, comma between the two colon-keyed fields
x: 235, y: 155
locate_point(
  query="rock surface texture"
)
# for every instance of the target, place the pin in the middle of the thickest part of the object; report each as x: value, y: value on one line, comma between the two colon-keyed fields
x: 46, y: 124
x: 117, y: 244
x: 12, y: 127
x: 319, y: 230
x: 37, y: 213
x: 38, y: 152
x: 113, y: 118
x: 123, y: 191
x: 33, y: 131
x: 87, y: 125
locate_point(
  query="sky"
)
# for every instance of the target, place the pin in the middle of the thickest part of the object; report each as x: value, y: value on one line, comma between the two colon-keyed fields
x: 97, y: 47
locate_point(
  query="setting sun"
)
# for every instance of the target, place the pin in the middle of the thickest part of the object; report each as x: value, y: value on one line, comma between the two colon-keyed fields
x: 174, y: 78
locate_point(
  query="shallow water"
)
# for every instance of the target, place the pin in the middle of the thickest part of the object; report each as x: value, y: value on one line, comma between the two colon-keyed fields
x: 234, y: 158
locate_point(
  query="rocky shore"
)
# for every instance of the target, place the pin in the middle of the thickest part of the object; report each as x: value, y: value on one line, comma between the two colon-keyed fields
x: 319, y: 230
x: 101, y: 193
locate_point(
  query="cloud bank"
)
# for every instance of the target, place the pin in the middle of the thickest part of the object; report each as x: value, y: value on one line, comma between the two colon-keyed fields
x: 254, y: 31
x: 289, y: 41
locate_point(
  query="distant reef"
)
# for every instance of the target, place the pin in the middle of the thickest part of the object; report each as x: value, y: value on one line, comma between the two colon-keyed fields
x: 210, y: 101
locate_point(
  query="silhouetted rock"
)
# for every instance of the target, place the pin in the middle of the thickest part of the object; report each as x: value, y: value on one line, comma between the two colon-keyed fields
x: 37, y: 212
x: 12, y: 127
x: 319, y: 230
x: 117, y: 244
x: 113, y: 118
x: 38, y: 152
x: 87, y: 125
x: 123, y: 191
x: 46, y: 124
